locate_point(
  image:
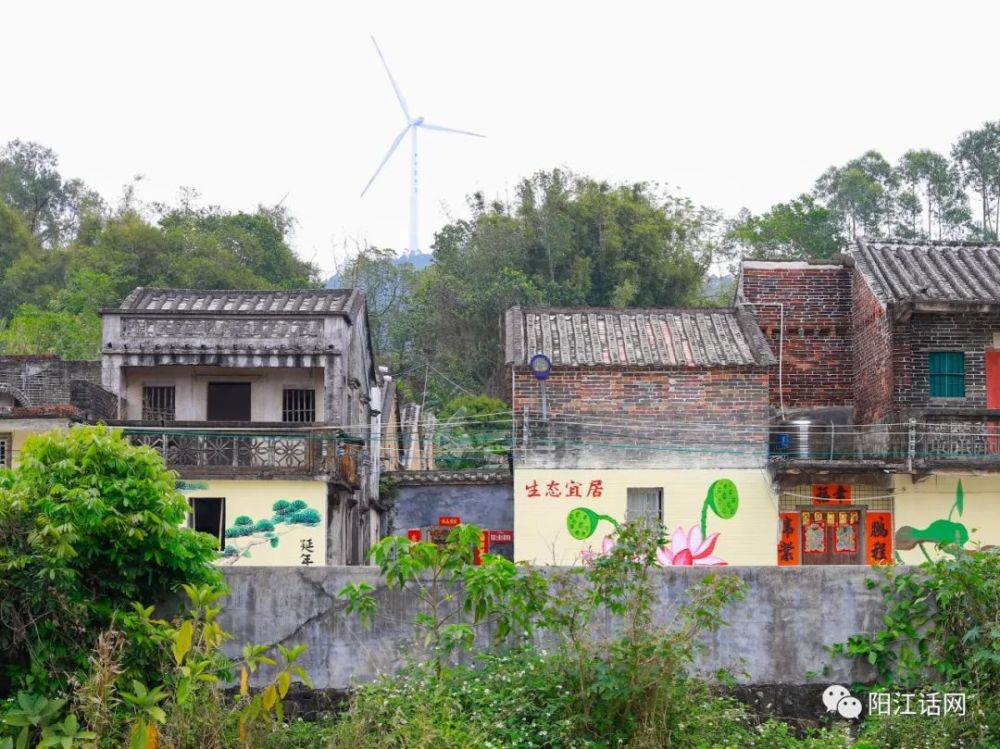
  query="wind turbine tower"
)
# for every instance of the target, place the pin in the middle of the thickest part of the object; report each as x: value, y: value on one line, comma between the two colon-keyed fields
x: 412, y: 125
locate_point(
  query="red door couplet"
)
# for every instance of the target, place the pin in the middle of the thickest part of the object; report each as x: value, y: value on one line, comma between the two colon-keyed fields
x: 993, y: 400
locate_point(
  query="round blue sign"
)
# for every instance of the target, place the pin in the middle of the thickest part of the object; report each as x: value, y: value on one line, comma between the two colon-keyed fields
x: 541, y: 366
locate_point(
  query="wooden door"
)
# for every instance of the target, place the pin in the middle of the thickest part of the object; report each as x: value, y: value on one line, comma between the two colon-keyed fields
x: 993, y: 400
x: 832, y: 535
x: 229, y: 401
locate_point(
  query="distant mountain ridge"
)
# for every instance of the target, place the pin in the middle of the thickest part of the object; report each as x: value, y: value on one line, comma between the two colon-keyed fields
x: 419, y: 260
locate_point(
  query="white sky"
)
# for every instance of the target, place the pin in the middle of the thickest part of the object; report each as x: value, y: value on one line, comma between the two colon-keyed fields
x: 736, y: 103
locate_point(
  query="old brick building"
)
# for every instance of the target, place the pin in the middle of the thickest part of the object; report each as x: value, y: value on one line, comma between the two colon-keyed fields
x: 642, y: 412
x: 887, y: 390
x: 264, y: 402
x: 39, y: 393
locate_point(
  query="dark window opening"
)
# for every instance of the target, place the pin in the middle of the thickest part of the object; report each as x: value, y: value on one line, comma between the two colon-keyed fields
x: 229, y: 401
x: 6, y: 448
x: 158, y: 403
x: 298, y: 405
x: 947, y: 374
x: 208, y: 515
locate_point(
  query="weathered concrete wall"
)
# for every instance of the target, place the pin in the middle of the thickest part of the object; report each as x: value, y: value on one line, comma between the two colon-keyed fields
x: 775, y: 636
x: 488, y: 505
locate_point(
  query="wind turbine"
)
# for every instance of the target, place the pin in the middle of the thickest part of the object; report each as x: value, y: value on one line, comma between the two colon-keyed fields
x: 412, y: 125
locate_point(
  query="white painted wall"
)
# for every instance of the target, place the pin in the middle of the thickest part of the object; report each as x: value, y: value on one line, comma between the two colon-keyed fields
x: 191, y: 383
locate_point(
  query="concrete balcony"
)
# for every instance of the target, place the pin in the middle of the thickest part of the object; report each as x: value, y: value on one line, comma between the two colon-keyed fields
x: 203, y: 450
x: 931, y: 439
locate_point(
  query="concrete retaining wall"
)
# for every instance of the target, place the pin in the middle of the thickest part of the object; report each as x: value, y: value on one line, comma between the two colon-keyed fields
x: 776, y: 635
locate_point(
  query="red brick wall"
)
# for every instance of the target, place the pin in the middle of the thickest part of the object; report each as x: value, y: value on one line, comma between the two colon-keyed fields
x: 817, y: 359
x: 874, y: 351
x: 916, y: 338
x: 697, y: 416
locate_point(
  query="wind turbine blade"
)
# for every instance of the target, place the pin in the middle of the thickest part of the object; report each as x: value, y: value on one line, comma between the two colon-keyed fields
x: 388, y: 154
x: 395, y: 86
x: 444, y: 129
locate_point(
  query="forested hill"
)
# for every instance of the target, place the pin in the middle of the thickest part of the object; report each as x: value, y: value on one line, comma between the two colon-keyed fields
x: 561, y: 239
x: 65, y: 253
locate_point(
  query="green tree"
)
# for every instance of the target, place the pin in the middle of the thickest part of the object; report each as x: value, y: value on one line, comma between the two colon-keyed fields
x: 69, y: 335
x: 862, y: 195
x: 15, y: 239
x: 934, y: 180
x: 388, y: 284
x: 800, y: 228
x: 977, y: 154
x: 248, y: 249
x: 567, y: 240
x: 88, y: 524
x: 472, y: 432
x: 30, y: 182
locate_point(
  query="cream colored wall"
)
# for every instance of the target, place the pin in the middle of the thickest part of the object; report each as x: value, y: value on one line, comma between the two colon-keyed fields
x: 21, y: 429
x: 256, y: 499
x: 540, y: 533
x: 920, y: 504
x: 191, y: 383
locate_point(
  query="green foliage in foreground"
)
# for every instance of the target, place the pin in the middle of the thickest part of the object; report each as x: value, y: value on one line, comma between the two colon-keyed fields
x: 526, y: 700
x: 88, y: 524
x: 186, y: 709
x: 632, y: 688
x: 940, y: 633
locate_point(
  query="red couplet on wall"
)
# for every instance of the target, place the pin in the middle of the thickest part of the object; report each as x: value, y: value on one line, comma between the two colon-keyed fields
x: 483, y: 547
x: 449, y: 520
x: 414, y: 534
x: 831, y: 494
x: 788, y: 539
x: 878, y: 537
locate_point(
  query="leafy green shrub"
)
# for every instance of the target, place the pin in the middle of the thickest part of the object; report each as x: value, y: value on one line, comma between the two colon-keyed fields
x: 88, y: 523
x: 941, y: 633
x: 300, y: 735
x: 473, y: 431
x: 187, y: 709
x: 627, y: 686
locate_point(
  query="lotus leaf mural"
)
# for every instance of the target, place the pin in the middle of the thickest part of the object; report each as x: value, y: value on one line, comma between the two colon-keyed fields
x: 582, y: 522
x: 692, y: 547
x: 946, y: 533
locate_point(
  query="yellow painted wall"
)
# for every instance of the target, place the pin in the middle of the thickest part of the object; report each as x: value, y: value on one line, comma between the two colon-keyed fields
x: 255, y: 499
x: 920, y: 504
x: 541, y: 536
x: 21, y: 429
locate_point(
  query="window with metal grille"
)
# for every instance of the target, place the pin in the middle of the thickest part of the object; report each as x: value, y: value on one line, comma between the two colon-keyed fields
x: 947, y: 374
x: 6, y: 447
x: 645, y: 505
x: 298, y: 405
x: 158, y: 403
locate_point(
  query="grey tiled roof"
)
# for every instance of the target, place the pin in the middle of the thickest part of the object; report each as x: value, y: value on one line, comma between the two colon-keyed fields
x: 935, y: 272
x: 470, y: 476
x: 200, y: 301
x: 585, y: 336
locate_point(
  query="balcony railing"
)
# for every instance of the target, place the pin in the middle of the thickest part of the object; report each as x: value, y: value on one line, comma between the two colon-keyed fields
x: 204, y: 452
x: 935, y: 439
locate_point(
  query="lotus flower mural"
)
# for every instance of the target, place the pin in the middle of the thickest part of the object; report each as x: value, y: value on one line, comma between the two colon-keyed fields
x: 589, y: 555
x: 687, y: 549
